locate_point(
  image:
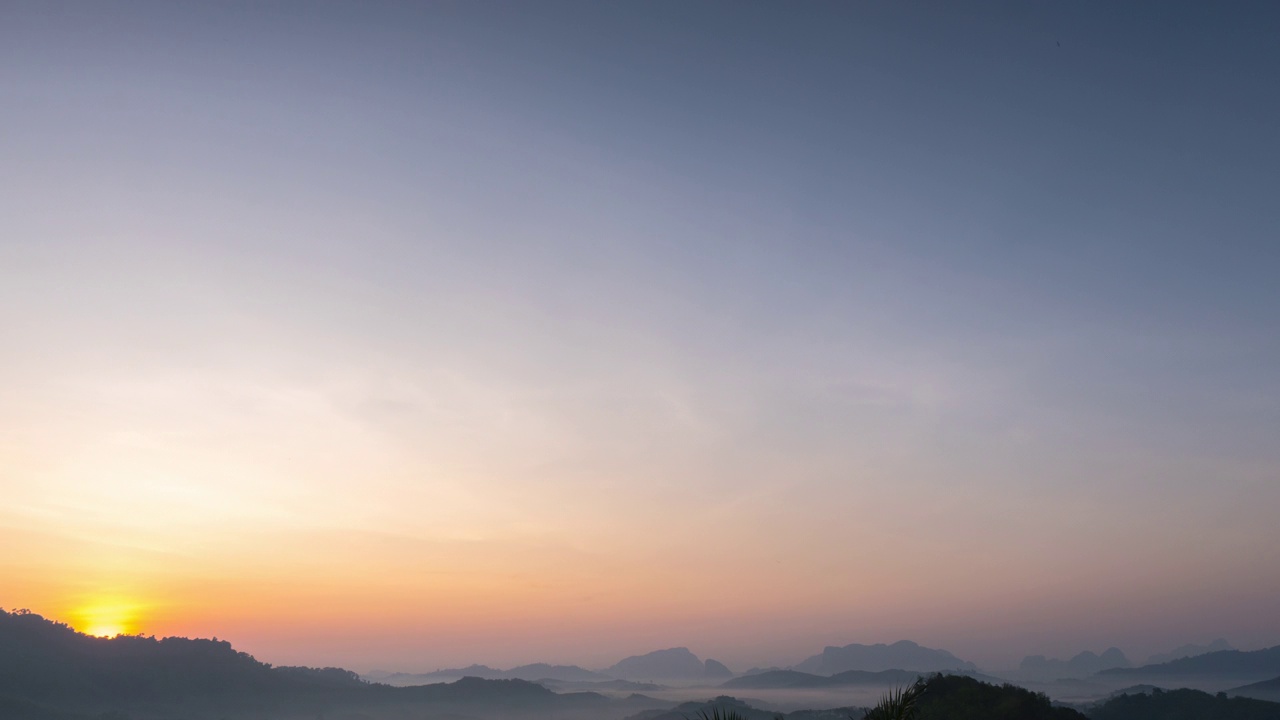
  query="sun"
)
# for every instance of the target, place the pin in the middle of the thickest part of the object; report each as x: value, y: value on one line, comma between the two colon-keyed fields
x: 105, y: 630
x: 106, y: 618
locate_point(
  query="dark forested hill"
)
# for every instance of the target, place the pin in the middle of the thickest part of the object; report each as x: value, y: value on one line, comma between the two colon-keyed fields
x: 956, y: 697
x: 1184, y: 705
x: 46, y: 661
x: 1265, y: 690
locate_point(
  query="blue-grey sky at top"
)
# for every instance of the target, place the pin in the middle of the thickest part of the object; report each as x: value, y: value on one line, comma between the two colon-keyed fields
x: 1031, y: 248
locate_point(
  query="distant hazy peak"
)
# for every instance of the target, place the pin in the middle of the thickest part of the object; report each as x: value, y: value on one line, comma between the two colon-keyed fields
x: 670, y: 663
x: 1189, y: 650
x: 1080, y: 665
x: 547, y: 671
x: 1114, y: 654
x: 716, y: 669
x: 902, y: 655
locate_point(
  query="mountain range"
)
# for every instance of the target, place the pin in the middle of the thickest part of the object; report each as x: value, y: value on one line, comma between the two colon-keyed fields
x: 50, y: 672
x: 534, y: 672
x: 854, y: 664
x: 788, y: 679
x: 670, y: 665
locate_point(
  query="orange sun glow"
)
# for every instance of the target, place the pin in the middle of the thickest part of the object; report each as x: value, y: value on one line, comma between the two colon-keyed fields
x: 106, y: 618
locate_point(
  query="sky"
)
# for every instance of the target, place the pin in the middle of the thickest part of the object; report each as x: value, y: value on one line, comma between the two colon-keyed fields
x: 411, y: 335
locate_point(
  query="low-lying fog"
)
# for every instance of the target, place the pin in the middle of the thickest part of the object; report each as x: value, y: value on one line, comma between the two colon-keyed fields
x: 781, y: 700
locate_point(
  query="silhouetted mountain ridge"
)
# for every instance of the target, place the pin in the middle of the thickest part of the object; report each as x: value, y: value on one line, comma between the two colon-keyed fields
x: 715, y: 669
x: 1189, y: 650
x: 41, y: 660
x: 669, y: 664
x: 778, y: 679
x: 1261, y: 664
x: 546, y: 671
x: 48, y: 671
x: 1081, y: 665
x: 678, y: 664
x: 783, y: 679
x: 902, y: 655
x: 533, y: 672
x: 1265, y: 690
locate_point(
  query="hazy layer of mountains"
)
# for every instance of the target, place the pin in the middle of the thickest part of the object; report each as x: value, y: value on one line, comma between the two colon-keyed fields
x: 532, y: 672
x: 779, y: 679
x: 1235, y: 665
x: 1189, y: 650
x: 50, y: 672
x: 682, y: 667
x: 1085, y: 675
x: 636, y: 672
x: 1252, y: 674
x: 1081, y: 665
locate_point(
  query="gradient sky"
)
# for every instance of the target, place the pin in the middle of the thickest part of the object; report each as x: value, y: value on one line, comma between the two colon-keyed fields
x: 412, y: 335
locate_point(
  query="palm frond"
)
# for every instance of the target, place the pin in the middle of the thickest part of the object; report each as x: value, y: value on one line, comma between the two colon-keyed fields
x: 898, y: 704
x: 716, y: 714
